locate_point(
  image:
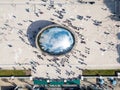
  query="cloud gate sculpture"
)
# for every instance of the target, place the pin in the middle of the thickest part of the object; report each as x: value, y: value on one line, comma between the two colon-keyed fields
x: 55, y: 40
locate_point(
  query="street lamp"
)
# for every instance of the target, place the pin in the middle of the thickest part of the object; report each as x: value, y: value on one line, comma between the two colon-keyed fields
x: 52, y: 3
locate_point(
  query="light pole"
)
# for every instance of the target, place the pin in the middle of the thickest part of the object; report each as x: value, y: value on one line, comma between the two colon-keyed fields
x: 52, y: 3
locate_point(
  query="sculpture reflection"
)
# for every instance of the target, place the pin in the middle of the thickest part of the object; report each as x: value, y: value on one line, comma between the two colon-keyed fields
x: 56, y: 40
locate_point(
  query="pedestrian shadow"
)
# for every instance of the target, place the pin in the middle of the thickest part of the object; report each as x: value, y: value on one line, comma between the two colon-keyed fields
x: 7, y: 81
x: 34, y: 28
x: 112, y: 7
x: 25, y: 81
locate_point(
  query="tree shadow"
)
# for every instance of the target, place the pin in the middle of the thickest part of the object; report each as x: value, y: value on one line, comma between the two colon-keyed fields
x: 113, y: 7
x: 34, y: 28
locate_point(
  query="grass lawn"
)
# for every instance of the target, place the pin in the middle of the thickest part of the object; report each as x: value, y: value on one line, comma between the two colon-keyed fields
x: 100, y: 72
x: 14, y: 72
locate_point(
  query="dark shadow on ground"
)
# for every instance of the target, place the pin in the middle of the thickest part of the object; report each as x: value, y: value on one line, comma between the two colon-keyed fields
x: 7, y: 87
x: 111, y: 5
x: 118, y: 60
x: 118, y: 50
x: 34, y: 28
x: 118, y: 36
